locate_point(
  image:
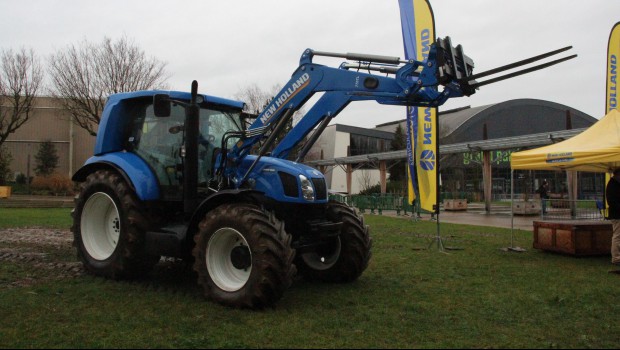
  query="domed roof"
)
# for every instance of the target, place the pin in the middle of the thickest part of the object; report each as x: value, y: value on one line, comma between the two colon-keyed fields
x: 509, y: 118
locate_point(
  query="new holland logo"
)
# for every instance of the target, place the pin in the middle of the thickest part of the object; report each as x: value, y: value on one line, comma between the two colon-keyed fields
x: 284, y: 97
x: 427, y: 160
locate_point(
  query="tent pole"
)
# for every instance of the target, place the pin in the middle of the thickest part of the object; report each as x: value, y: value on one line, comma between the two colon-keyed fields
x: 512, y: 248
x: 440, y: 245
x: 512, y: 203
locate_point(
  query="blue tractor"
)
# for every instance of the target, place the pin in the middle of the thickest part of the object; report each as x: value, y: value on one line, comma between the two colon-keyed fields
x: 192, y: 176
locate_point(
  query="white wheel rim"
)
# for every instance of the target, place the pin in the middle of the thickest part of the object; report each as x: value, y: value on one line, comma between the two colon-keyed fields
x: 318, y: 261
x: 100, y: 226
x: 219, y: 263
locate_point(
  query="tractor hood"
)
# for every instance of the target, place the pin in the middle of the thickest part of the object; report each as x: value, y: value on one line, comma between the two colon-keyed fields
x: 285, y: 180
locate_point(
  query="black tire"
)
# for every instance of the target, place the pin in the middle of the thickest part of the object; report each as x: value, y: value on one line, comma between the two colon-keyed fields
x: 243, y: 256
x: 342, y: 259
x: 109, y: 227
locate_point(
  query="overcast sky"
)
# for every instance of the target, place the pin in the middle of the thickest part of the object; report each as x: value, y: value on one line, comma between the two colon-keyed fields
x: 229, y: 44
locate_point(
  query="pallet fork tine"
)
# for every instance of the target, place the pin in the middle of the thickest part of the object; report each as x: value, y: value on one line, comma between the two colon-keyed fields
x: 517, y: 64
x: 524, y: 71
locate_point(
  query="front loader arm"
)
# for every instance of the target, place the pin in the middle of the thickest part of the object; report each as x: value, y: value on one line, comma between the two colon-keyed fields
x: 405, y: 87
x: 403, y: 82
x: 412, y: 83
x: 326, y: 108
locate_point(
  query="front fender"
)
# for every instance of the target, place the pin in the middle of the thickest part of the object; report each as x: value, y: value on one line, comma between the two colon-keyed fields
x: 133, y: 168
x: 219, y: 198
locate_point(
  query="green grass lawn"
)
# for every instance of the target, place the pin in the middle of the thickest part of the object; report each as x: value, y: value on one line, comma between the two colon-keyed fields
x: 40, y: 217
x: 411, y: 296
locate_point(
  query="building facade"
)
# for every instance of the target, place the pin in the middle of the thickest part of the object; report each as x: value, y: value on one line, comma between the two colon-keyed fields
x: 49, y: 121
x: 462, y: 172
x: 343, y: 140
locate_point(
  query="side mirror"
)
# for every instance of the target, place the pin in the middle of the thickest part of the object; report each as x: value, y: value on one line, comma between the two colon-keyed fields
x: 162, y: 105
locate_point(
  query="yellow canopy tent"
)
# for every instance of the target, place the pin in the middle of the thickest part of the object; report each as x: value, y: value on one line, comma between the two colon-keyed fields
x: 597, y: 149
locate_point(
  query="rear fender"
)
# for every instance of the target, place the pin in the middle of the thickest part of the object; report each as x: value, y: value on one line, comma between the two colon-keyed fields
x: 134, y: 170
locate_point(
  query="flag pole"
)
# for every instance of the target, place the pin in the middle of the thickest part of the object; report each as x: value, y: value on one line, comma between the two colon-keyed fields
x: 512, y: 247
x: 438, y: 238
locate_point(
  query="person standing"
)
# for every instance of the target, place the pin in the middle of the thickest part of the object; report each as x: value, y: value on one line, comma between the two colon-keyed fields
x: 612, y: 193
x: 543, y: 191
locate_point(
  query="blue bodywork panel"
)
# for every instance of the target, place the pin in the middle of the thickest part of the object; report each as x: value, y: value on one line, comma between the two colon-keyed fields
x: 136, y: 170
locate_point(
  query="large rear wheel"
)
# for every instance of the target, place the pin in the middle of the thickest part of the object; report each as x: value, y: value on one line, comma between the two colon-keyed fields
x: 343, y: 258
x: 243, y: 256
x: 109, y: 227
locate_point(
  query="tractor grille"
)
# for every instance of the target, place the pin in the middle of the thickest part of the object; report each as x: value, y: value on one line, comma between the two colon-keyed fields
x: 319, y: 187
x: 289, y: 183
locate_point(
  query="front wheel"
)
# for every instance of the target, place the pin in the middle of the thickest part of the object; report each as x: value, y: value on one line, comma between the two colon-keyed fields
x: 343, y: 258
x: 243, y: 256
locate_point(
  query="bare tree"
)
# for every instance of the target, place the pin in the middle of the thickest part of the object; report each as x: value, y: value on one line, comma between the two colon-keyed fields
x: 365, y: 180
x: 83, y: 76
x: 255, y: 98
x: 20, y: 79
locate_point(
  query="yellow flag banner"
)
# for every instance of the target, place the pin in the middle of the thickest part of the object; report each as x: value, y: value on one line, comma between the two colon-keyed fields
x: 613, y: 53
x: 418, y: 27
x: 611, y: 97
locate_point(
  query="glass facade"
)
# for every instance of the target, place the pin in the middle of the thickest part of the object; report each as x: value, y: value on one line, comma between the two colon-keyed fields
x: 363, y: 144
x: 462, y: 177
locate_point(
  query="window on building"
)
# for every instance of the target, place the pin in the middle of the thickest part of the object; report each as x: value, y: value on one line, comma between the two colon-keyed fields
x: 362, y: 144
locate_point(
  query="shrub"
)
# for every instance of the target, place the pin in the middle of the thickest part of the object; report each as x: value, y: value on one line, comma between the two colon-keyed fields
x: 371, y: 190
x: 46, y: 159
x: 5, y: 162
x: 20, y: 178
x: 54, y: 184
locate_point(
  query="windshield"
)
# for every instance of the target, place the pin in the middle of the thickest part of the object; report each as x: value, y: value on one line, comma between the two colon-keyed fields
x: 159, y: 141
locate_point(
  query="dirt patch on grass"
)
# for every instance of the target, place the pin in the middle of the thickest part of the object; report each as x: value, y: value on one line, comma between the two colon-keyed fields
x: 42, y: 236
x: 31, y: 256
x: 40, y: 255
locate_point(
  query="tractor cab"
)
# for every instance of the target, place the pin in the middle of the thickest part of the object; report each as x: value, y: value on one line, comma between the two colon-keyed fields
x: 159, y: 141
x: 131, y: 125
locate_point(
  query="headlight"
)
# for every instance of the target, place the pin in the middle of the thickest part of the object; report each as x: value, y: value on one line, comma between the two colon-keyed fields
x: 307, y: 191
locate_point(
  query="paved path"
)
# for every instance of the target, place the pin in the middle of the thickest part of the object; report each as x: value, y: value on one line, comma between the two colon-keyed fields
x: 476, y: 215
x: 520, y: 222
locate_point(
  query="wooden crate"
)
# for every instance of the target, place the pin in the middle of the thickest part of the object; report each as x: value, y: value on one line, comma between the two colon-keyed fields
x: 455, y: 204
x: 526, y: 207
x: 5, y: 191
x: 573, y: 237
